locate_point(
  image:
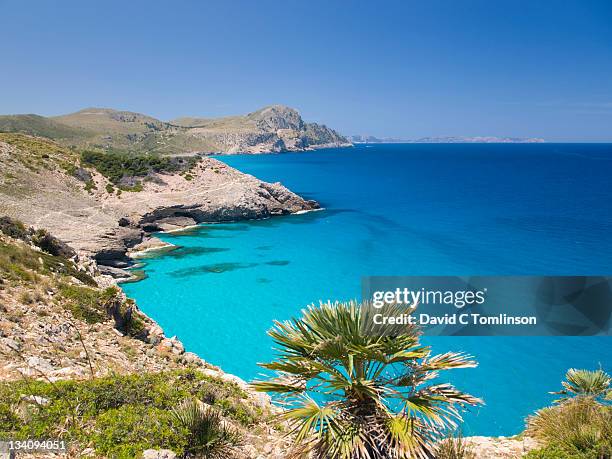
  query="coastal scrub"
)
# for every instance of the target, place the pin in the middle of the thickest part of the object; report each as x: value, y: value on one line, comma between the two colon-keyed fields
x: 119, y: 415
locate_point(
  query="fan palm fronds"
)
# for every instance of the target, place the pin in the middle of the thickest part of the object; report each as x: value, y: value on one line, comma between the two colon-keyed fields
x: 355, y: 390
x: 209, y: 435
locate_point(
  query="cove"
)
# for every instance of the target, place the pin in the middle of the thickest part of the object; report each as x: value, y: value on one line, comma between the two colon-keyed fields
x: 466, y: 210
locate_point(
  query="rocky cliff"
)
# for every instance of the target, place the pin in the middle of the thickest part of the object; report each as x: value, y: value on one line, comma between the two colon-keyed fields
x: 46, y: 186
x: 272, y: 129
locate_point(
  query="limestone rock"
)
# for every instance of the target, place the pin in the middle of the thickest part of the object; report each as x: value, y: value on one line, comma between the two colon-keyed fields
x: 500, y: 447
x: 158, y: 454
x: 105, y: 226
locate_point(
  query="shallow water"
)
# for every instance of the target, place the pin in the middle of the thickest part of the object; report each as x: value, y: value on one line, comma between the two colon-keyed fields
x: 398, y: 210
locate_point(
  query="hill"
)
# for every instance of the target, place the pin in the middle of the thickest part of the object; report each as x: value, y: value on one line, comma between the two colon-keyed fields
x: 272, y: 129
x: 41, y: 126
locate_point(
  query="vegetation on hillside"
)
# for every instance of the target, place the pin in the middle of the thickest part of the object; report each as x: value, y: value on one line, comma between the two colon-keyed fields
x: 22, y: 264
x: 116, y: 166
x: 117, y: 415
x: 355, y: 390
x: 108, y: 129
x: 579, y: 425
x: 209, y: 435
x: 454, y: 448
x: 40, y: 126
x: 120, y: 416
x: 36, y: 153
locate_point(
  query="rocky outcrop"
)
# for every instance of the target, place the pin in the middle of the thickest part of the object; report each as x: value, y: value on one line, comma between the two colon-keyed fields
x: 104, y: 225
x: 500, y: 447
x: 270, y: 130
x: 215, y: 193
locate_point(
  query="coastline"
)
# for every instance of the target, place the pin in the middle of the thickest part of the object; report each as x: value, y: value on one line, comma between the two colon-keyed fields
x: 152, y: 245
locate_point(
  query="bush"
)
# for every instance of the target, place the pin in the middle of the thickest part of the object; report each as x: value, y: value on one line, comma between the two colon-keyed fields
x: 118, y: 165
x: 13, y: 228
x: 126, y: 431
x: 88, y: 304
x: 52, y: 245
x: 19, y: 262
x: 454, y: 448
x: 209, y: 435
x: 578, y: 426
x: 556, y: 452
x: 118, y: 416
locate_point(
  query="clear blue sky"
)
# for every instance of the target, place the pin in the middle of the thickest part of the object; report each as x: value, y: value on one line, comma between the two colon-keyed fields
x: 406, y: 68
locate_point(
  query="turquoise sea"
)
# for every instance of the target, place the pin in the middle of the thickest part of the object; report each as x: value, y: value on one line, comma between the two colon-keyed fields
x: 400, y: 209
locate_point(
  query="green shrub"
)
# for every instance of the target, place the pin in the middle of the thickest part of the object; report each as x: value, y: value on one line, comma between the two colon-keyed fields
x: 50, y: 244
x: 110, y: 188
x: 19, y: 262
x: 556, y: 452
x: 208, y: 435
x: 13, y: 228
x: 87, y: 304
x: 133, y: 189
x: 126, y: 431
x: 117, y: 165
x: 577, y: 426
x: 454, y: 448
x: 118, y: 416
x: 7, y: 419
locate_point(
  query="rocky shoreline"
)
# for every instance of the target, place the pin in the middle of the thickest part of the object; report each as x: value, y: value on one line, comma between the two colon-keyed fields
x: 215, y: 193
x: 102, y: 223
x: 52, y: 344
x: 110, y: 231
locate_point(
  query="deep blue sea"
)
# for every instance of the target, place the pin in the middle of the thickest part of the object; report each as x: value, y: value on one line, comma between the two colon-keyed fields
x: 426, y: 209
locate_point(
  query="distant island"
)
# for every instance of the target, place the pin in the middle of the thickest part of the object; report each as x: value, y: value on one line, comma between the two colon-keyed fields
x: 272, y: 129
x: 448, y: 139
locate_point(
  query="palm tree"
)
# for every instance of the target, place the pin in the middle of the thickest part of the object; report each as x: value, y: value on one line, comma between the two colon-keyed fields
x: 209, y: 435
x: 354, y: 389
x: 584, y: 383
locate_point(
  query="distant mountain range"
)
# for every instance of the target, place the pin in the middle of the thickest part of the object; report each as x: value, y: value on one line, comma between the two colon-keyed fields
x: 450, y: 139
x: 271, y: 129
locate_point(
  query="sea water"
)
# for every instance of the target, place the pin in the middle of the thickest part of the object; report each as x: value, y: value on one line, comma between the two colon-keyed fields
x: 399, y: 209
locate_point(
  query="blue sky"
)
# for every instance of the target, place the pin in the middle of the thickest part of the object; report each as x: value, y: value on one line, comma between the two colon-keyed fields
x: 406, y: 68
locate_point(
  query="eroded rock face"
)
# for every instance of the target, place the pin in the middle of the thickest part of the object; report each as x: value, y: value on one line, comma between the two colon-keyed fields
x: 216, y: 193
x: 270, y: 130
x: 104, y: 225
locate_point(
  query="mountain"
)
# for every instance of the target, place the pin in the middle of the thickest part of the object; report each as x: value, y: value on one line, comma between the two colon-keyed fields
x: 272, y: 129
x: 485, y: 139
x: 448, y: 139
